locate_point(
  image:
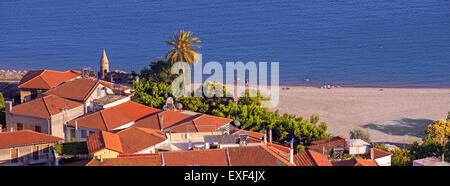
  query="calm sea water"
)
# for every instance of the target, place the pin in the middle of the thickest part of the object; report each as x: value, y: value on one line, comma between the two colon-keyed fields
x: 403, y: 43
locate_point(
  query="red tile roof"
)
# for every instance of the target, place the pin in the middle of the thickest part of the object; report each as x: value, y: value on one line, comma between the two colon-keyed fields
x: 251, y: 134
x: 148, y: 160
x: 378, y: 153
x: 179, y: 122
x: 255, y: 156
x: 103, y: 140
x: 311, y: 158
x: 45, y: 107
x: 46, y: 79
x: 113, y: 117
x: 208, y: 123
x: 211, y: 157
x: 78, y: 90
x: 325, y: 144
x: 25, y: 137
x: 135, y: 139
x: 355, y: 162
x: 128, y: 141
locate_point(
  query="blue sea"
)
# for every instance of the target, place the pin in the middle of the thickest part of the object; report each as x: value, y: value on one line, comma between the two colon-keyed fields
x: 403, y: 43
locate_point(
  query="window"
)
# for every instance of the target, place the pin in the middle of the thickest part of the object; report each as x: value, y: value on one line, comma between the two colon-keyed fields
x: 36, y: 153
x: 37, y: 128
x: 19, y: 126
x: 15, y: 155
x: 83, y: 133
x: 46, y: 149
x: 91, y: 132
x: 34, y: 94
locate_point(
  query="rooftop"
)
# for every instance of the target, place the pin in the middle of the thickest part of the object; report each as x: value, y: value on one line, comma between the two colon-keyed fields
x: 430, y: 161
x: 25, y: 137
x: 44, y: 107
x: 46, y: 79
x: 127, y: 141
x: 356, y: 142
x: 355, y: 162
x: 311, y: 158
x: 325, y: 144
x: 114, y: 117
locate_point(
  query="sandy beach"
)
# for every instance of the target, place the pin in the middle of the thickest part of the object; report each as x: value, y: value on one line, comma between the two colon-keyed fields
x: 396, y: 115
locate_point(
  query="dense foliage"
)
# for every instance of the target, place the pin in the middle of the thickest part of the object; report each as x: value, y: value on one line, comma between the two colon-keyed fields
x: 247, y: 111
x: 360, y: 134
x: 72, y: 148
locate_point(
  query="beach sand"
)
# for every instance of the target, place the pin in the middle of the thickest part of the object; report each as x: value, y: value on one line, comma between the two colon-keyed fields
x: 396, y: 115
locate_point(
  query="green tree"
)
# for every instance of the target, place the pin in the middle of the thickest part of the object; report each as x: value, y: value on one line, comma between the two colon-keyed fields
x: 438, y: 131
x: 360, y: 134
x: 448, y: 116
x: 150, y: 93
x: 2, y: 111
x: 400, y: 157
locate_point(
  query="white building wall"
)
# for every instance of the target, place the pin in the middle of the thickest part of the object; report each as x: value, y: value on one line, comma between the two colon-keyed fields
x: 384, y: 161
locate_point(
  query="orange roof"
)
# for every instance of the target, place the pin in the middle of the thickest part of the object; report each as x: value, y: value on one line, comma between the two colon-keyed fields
x: 113, y: 117
x: 211, y: 157
x: 46, y: 79
x: 355, y: 162
x: 135, y: 139
x: 311, y: 158
x: 378, y: 153
x: 179, y: 122
x: 149, y: 160
x: 198, y: 123
x: 78, y: 90
x: 25, y: 137
x: 325, y: 144
x: 255, y: 156
x: 112, y: 86
x: 251, y: 134
x: 44, y: 107
x: 103, y: 140
x: 128, y: 141
x: 208, y: 123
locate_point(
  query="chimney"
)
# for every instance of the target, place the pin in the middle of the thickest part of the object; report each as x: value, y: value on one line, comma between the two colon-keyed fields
x: 161, y: 122
x: 291, y: 153
x: 8, y: 106
x: 270, y: 135
x: 372, y: 155
x: 265, y: 137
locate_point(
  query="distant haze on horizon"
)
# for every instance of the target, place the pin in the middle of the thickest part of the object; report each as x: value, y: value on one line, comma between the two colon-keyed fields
x: 351, y: 43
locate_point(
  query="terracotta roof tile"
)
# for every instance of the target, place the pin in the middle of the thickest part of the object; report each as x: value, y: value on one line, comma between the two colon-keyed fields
x: 208, y: 123
x: 148, y: 160
x: 212, y: 157
x: 135, y: 139
x: 113, y: 117
x: 325, y: 144
x: 355, y: 162
x: 255, y: 156
x: 251, y: 134
x: 103, y: 140
x: 378, y: 153
x: 311, y: 158
x: 44, y: 107
x: 25, y: 137
x: 78, y: 90
x: 46, y: 79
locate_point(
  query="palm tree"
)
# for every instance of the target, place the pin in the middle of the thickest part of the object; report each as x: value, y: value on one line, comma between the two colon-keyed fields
x: 182, y: 51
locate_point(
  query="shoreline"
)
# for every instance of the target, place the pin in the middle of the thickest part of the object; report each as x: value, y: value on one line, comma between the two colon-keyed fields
x: 394, y: 115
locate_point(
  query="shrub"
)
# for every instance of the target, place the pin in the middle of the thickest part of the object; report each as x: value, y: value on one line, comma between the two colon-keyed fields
x: 360, y: 134
x: 72, y: 148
